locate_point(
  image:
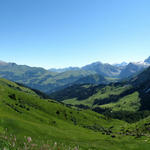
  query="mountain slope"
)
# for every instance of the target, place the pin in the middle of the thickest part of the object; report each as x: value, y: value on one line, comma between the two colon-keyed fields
x: 142, y: 78
x: 92, y: 79
x: 129, y: 97
x: 103, y: 69
x: 132, y: 69
x: 39, y: 78
x: 25, y: 114
x: 147, y: 60
x: 30, y: 76
x: 29, y: 122
x: 91, y: 95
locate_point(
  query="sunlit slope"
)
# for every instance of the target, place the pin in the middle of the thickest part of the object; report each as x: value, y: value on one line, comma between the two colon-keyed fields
x: 24, y: 113
x: 93, y: 95
x: 132, y: 95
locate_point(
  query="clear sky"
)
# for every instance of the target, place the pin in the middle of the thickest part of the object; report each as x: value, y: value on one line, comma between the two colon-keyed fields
x: 61, y: 33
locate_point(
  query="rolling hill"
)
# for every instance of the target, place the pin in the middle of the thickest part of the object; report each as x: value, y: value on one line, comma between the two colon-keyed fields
x: 30, y: 122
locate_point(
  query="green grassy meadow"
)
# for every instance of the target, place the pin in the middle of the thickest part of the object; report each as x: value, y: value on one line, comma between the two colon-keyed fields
x: 53, y: 125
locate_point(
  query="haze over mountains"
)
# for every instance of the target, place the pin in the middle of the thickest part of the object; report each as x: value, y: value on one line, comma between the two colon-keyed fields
x: 52, y: 80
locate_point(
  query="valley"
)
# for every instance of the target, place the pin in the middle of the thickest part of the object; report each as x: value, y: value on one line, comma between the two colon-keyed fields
x: 79, y: 116
x: 47, y: 122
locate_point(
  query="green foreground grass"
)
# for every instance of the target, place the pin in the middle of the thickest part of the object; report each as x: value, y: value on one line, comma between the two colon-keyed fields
x: 30, y: 122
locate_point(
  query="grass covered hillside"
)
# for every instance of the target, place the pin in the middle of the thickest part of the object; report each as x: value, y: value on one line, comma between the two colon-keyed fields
x: 30, y: 122
x: 91, y: 94
x: 129, y: 98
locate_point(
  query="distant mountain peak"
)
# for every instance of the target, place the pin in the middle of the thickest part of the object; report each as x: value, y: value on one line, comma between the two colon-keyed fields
x: 3, y: 63
x: 147, y: 60
x: 123, y: 64
x: 94, y: 64
x: 97, y: 63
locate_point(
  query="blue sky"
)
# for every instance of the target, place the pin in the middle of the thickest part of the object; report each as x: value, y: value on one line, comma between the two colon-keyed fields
x: 61, y: 33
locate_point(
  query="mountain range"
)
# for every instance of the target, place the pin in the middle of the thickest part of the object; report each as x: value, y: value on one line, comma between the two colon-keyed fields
x: 122, y: 70
x: 52, y: 80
